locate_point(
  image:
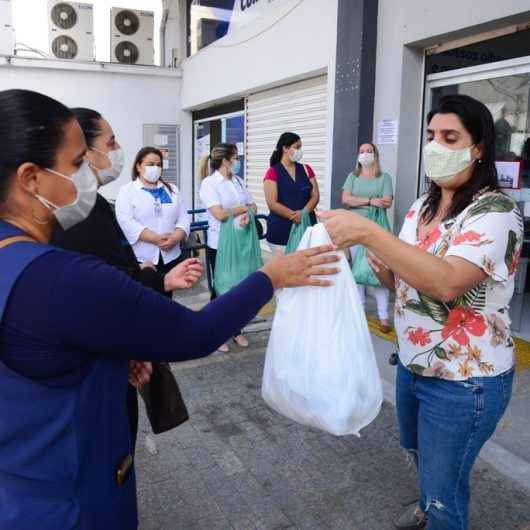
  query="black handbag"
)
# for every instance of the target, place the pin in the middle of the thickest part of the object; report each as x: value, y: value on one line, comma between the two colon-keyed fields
x: 163, y: 401
x: 259, y: 228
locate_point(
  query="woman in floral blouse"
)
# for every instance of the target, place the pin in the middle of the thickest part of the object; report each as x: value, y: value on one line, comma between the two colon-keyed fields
x: 453, y: 269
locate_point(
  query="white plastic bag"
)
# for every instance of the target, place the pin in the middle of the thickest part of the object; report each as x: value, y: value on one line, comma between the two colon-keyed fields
x: 320, y: 368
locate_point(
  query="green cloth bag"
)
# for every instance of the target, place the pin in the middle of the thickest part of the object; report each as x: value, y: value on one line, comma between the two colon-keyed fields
x: 362, y: 272
x: 297, y: 232
x: 238, y: 253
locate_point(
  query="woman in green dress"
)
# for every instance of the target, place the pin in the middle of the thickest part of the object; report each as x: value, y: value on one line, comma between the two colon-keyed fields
x: 368, y: 186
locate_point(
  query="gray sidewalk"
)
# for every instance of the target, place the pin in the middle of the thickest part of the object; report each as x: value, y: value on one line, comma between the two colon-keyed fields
x: 238, y: 465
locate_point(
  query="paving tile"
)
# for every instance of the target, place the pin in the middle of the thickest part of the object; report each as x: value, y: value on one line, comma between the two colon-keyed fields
x: 237, y: 465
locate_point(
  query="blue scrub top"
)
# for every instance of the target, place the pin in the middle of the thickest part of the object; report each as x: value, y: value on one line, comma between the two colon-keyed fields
x: 292, y: 193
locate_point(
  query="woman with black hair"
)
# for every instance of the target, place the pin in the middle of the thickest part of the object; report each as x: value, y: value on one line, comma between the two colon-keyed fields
x: 100, y: 235
x: 452, y: 268
x: 69, y: 324
x: 152, y: 213
x: 290, y: 187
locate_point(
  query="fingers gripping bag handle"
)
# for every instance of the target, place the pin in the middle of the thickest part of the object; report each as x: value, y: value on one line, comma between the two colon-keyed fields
x: 238, y: 253
x: 297, y: 232
x: 320, y: 367
x: 361, y: 269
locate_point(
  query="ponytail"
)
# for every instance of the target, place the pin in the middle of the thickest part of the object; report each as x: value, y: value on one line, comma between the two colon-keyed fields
x: 287, y: 139
x: 204, y: 167
x: 214, y: 160
x: 276, y: 157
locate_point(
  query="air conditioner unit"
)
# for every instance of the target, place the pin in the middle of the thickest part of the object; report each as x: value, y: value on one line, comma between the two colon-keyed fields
x: 131, y: 37
x: 70, y: 30
x: 7, y: 36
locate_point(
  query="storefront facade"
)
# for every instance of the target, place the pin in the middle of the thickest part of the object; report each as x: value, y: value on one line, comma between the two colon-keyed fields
x: 232, y: 85
x: 344, y: 72
x: 428, y: 49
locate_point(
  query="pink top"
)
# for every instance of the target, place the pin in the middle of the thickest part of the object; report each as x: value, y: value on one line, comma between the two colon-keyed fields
x: 273, y: 175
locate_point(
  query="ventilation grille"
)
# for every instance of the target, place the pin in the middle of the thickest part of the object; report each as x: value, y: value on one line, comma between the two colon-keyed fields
x: 64, y: 16
x: 127, y: 22
x: 64, y: 47
x: 127, y: 52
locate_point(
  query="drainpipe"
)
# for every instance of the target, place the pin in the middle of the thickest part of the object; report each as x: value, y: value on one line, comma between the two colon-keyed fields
x: 163, y: 23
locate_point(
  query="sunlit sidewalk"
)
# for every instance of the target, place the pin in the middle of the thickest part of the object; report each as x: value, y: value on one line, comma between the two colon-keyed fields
x: 238, y: 465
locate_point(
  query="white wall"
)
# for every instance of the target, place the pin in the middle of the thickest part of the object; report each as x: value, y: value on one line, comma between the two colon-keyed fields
x: 296, y: 40
x: 405, y: 28
x: 127, y: 101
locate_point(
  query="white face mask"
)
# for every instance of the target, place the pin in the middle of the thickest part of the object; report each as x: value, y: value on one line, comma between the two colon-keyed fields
x: 366, y: 159
x: 295, y: 155
x: 116, y: 159
x: 442, y: 163
x: 86, y: 186
x: 152, y: 173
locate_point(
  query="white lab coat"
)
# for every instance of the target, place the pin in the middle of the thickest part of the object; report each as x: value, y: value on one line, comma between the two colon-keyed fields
x: 136, y: 210
x: 217, y: 190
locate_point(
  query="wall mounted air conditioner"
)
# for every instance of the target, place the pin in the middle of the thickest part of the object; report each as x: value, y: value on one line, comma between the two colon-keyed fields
x: 7, y: 36
x: 71, y: 30
x: 131, y: 36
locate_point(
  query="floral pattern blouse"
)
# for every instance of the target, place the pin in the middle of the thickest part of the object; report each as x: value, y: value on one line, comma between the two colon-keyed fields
x: 470, y: 336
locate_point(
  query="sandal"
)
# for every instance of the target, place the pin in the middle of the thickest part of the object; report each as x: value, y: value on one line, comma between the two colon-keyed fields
x: 384, y: 326
x: 241, y: 341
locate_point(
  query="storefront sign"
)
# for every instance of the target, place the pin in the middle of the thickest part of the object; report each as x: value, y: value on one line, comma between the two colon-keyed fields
x: 509, y: 173
x: 246, y: 11
x: 387, y: 132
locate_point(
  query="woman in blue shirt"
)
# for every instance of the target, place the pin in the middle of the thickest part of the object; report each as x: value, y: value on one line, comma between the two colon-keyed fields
x: 70, y: 323
x: 290, y: 188
x: 100, y: 234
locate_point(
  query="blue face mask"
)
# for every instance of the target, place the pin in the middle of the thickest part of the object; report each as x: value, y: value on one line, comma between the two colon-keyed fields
x: 236, y: 167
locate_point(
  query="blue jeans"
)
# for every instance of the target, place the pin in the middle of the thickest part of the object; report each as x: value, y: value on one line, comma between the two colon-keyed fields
x: 444, y: 425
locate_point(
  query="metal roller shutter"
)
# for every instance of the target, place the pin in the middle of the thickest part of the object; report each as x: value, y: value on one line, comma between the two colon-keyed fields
x: 300, y: 108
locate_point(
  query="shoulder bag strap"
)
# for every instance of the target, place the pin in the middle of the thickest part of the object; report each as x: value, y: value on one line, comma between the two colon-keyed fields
x: 16, y: 239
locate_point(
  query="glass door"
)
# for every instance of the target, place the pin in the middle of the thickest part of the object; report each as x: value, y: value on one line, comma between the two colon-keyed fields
x: 209, y: 132
x: 201, y: 149
x: 505, y: 89
x: 233, y: 132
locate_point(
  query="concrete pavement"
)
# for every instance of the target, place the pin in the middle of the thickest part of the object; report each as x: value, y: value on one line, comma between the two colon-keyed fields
x: 238, y: 465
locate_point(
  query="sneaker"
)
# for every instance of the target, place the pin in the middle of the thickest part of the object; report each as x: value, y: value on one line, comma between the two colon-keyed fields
x: 412, y: 518
x: 223, y: 349
x: 241, y: 341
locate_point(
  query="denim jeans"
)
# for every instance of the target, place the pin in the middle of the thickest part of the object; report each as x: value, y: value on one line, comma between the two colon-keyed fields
x: 444, y: 425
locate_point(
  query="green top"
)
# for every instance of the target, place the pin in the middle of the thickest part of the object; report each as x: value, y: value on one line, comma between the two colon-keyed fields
x: 377, y: 187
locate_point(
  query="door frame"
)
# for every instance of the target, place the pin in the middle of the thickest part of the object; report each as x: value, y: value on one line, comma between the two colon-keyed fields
x: 482, y: 72
x: 227, y: 115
